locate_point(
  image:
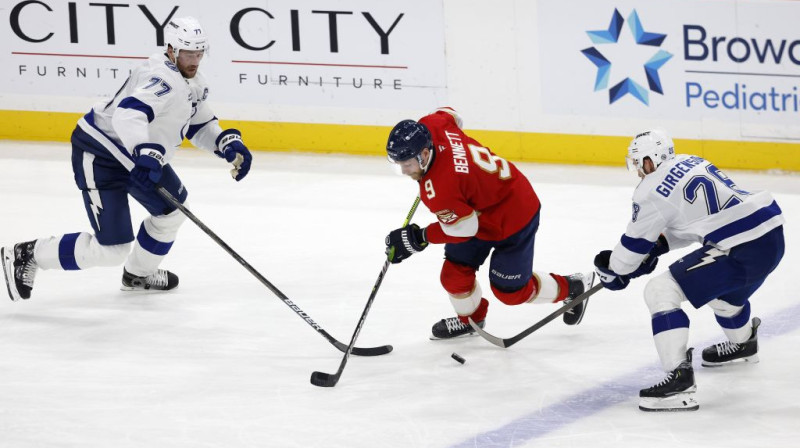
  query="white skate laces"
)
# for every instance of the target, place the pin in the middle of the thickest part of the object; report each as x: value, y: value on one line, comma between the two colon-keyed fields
x: 454, y: 324
x: 726, y: 348
x: 27, y: 272
x: 666, y: 380
x: 159, y: 279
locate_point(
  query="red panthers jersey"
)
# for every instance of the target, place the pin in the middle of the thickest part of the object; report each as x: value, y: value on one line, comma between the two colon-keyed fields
x: 473, y: 192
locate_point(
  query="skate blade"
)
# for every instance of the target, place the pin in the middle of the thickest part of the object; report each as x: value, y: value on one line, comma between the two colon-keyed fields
x: 136, y: 290
x: 674, y: 403
x: 747, y: 360
x: 434, y: 338
x: 8, y: 273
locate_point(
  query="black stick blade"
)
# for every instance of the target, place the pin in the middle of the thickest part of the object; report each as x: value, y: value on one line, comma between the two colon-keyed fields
x: 358, y: 351
x: 323, y: 379
x: 371, y: 351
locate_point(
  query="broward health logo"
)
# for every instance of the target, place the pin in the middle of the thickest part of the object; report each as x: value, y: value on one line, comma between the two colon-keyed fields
x: 641, y: 37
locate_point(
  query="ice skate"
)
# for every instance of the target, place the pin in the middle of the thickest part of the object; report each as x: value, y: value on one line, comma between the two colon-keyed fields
x: 673, y: 393
x: 161, y: 280
x: 19, y: 268
x: 726, y: 353
x: 578, y: 284
x: 452, y: 327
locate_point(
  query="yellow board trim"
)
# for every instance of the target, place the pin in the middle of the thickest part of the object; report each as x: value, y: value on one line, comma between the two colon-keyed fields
x: 370, y: 140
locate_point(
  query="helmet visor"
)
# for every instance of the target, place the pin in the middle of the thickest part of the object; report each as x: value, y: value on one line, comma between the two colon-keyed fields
x: 409, y: 167
x: 632, y: 163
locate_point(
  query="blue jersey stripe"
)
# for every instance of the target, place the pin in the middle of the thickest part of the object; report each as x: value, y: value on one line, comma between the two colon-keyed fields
x: 136, y: 104
x: 638, y: 245
x: 745, y: 224
x: 195, y: 128
x: 89, y: 117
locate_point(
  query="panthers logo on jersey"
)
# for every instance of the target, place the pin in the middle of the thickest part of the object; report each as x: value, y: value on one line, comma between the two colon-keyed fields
x: 447, y: 216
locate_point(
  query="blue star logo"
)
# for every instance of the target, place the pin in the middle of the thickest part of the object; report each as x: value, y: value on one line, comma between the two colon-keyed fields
x: 651, y: 67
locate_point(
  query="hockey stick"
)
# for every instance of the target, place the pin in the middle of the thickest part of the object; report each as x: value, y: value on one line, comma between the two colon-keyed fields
x: 323, y: 379
x: 366, y: 351
x: 508, y: 342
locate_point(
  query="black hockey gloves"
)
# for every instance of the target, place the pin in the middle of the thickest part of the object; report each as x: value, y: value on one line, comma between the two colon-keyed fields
x: 613, y: 281
x: 233, y: 150
x: 148, y: 159
x: 404, y: 242
x: 610, y: 279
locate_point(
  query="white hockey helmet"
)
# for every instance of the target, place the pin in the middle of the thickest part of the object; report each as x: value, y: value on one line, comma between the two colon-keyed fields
x: 185, y: 33
x: 654, y: 144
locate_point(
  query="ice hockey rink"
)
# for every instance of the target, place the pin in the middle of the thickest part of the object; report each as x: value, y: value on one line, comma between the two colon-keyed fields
x: 222, y: 362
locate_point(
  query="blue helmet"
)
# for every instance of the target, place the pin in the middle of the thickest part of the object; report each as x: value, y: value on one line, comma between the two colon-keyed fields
x: 407, y: 139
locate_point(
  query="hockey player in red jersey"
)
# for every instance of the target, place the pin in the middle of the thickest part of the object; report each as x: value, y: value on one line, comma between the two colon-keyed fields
x: 484, y: 205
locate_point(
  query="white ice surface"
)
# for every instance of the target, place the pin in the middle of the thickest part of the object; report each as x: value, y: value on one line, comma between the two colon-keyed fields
x: 222, y: 362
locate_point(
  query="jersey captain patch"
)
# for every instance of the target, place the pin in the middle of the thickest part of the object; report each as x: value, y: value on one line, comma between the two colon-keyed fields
x: 447, y: 216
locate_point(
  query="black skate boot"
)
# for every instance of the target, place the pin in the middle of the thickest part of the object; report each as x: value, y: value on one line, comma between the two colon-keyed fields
x: 452, y: 327
x: 727, y: 352
x: 20, y: 269
x: 673, y: 393
x: 161, y: 280
x: 578, y: 284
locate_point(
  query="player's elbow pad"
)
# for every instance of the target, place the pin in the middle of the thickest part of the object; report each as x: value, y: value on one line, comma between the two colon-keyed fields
x: 466, y: 227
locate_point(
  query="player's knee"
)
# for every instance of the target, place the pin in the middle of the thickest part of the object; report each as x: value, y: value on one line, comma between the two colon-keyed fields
x: 662, y: 293
x: 166, y: 224
x: 162, y: 228
x: 457, y: 279
x: 724, y: 309
x: 514, y: 296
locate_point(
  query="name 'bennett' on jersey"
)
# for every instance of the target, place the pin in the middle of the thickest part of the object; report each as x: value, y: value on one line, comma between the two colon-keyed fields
x: 677, y: 172
x: 460, y: 163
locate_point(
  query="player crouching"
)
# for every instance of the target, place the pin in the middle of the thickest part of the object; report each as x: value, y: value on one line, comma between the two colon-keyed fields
x: 681, y: 200
x: 486, y: 210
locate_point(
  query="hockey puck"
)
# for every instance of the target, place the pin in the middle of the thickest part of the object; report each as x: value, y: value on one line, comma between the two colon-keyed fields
x: 458, y: 358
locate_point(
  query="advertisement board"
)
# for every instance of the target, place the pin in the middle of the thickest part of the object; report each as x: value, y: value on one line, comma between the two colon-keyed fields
x: 533, y: 78
x: 726, y: 62
x: 349, y: 53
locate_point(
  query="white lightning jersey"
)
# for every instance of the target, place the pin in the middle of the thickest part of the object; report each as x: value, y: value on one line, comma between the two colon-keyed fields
x: 155, y: 105
x: 690, y: 201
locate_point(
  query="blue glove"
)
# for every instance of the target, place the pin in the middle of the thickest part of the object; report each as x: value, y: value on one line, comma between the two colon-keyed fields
x: 610, y: 279
x: 233, y: 150
x: 649, y: 263
x: 661, y: 247
x: 148, y: 159
x: 405, y: 242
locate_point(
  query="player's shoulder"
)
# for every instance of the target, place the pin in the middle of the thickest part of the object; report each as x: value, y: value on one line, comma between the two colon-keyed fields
x: 442, y: 170
x: 159, y: 63
x: 644, y: 191
x: 659, y: 184
x: 159, y: 66
x: 442, y: 118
